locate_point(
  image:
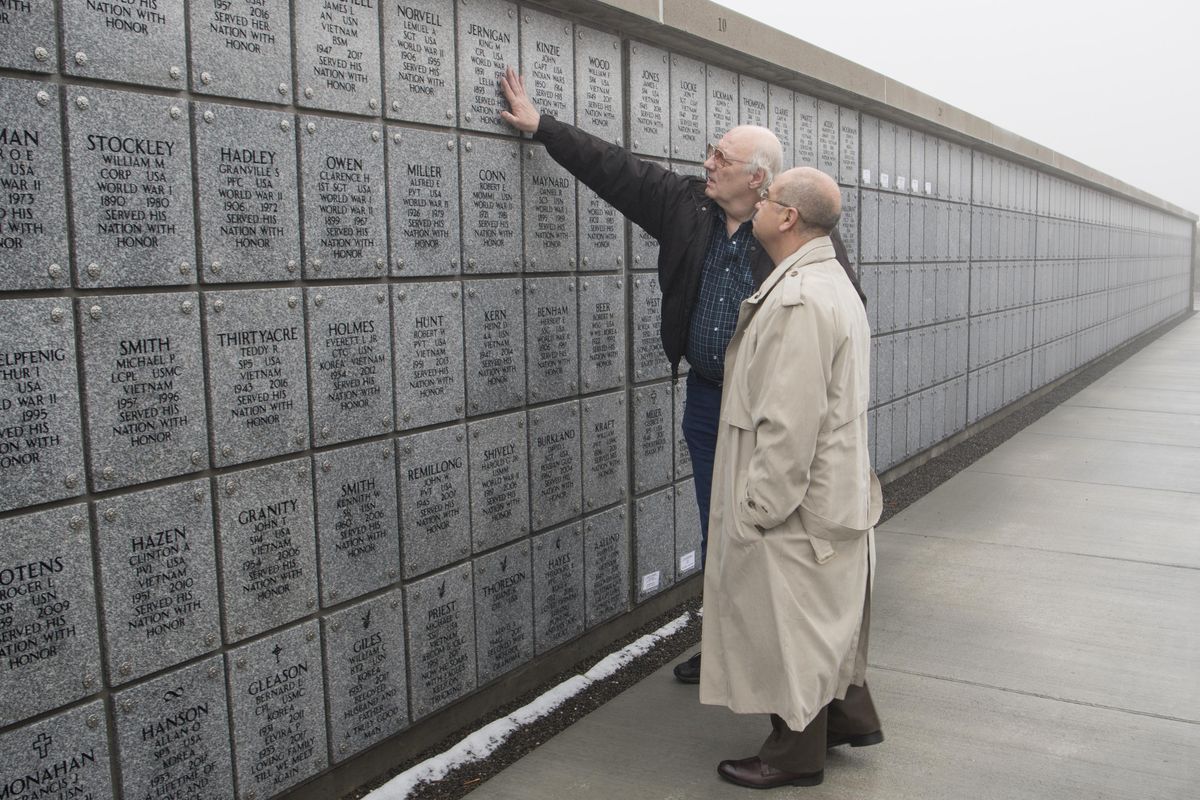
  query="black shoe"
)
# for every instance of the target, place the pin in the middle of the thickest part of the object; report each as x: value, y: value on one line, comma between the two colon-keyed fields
x: 756, y: 774
x: 854, y: 739
x: 688, y: 671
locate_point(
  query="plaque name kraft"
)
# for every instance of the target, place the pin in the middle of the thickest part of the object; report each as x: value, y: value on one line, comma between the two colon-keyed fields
x: 487, y: 44
x: 605, y: 467
x: 419, y: 61
x: 33, y: 215
x: 503, y: 610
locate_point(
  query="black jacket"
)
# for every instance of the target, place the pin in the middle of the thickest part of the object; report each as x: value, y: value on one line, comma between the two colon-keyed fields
x: 670, y: 207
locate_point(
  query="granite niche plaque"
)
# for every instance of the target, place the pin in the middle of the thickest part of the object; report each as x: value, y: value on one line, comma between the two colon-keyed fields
x: 357, y: 524
x: 131, y: 187
x: 41, y: 448
x: 63, y: 756
x: 722, y: 102
x: 365, y: 670
x: 781, y: 118
x: 257, y: 380
x: 487, y: 44
x: 158, y: 567
x: 278, y: 706
x: 554, y: 464
x: 688, y: 98
x: 423, y: 209
x: 140, y: 42
x: 683, y: 456
x: 755, y: 109
x: 499, y: 464
x: 428, y: 331
x: 337, y: 57
x: 350, y: 369
x: 649, y: 360
x: 654, y: 542
x: 548, y: 63
x: 549, y: 213
x: 601, y: 331
x: 440, y: 611
x: 642, y: 246
x: 687, y: 530
x: 604, y: 450
x: 599, y: 90
x: 27, y: 38
x: 551, y: 327
x: 649, y: 100
x: 491, y: 206
x: 828, y: 150
x: 246, y: 181
x: 47, y: 613
x: 806, y: 131
x: 144, y: 388
x: 418, y: 61
x: 242, y: 48
x: 848, y: 147
x: 558, y: 607
x: 173, y: 735
x: 503, y: 610
x: 653, y: 436
x: 33, y: 214
x: 345, y: 211
x: 434, y: 499
x: 268, y: 547
x: 601, y: 233
x: 606, y: 565
x: 495, y: 353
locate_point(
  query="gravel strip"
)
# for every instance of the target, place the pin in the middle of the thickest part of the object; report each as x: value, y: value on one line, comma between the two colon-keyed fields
x: 897, y: 495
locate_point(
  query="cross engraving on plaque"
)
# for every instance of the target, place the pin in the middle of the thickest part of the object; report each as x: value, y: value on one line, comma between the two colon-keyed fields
x: 277, y: 651
x: 42, y: 744
x: 366, y: 619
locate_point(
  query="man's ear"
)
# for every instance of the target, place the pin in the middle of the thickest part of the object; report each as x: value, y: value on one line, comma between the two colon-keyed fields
x: 758, y: 180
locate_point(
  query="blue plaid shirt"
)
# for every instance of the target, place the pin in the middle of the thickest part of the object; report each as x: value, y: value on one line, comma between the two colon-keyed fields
x: 725, y: 282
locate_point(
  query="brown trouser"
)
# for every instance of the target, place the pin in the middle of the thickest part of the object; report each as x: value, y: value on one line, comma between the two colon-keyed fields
x: 804, y: 751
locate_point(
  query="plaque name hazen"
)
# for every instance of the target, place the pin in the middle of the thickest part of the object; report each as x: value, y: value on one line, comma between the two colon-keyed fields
x: 500, y: 490
x: 26, y: 406
x: 135, y: 192
x: 340, y: 65
x: 262, y: 390
x: 248, y: 32
x: 352, y: 363
x: 20, y: 186
x: 177, y: 741
x: 421, y: 57
x: 426, y: 218
x: 249, y: 197
x: 444, y: 660
x: 33, y: 618
x: 274, y: 561
x: 147, y: 410
x: 430, y: 348
x: 506, y: 644
x: 344, y: 200
x: 376, y: 697
x: 162, y: 600
x: 287, y: 741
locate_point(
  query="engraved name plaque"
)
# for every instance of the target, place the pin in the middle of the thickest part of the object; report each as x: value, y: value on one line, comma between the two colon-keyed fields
x: 722, y: 102
x: 41, y: 449
x: 549, y: 213
x: 601, y: 331
x: 131, y: 188
x: 434, y: 499
x: 423, y: 202
x: 441, y: 639
x: 27, y: 39
x: 754, y: 107
x: 499, y: 463
x: 558, y: 586
x: 649, y: 360
x: 130, y: 42
x: 781, y: 118
x: 653, y: 462
x: 604, y: 450
x: 806, y: 131
x: 554, y: 464
x: 548, y: 63
x: 418, y: 61
x: 688, y: 99
x: 428, y: 331
x: 33, y: 214
x: 599, y: 91
x: 337, y: 57
x: 246, y: 176
x: 491, y: 206
x: 242, y: 48
x: 503, y: 610
x: 487, y: 44
x: 68, y: 752
x: 551, y: 327
x: 828, y: 149
x: 649, y: 100
x: 606, y: 561
x: 601, y: 233
x: 495, y: 355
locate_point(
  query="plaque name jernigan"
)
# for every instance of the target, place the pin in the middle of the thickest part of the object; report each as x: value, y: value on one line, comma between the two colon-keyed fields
x: 424, y: 202
x: 33, y: 230
x: 131, y: 188
x: 487, y: 43
x: 419, y: 60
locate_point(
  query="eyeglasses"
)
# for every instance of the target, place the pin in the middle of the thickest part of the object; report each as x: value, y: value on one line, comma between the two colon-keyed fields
x: 784, y: 206
x: 718, y: 155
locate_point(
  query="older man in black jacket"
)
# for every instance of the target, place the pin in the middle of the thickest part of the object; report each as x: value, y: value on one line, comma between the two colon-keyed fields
x: 708, y: 259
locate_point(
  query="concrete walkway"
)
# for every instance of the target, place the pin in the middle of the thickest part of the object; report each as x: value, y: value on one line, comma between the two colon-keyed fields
x: 1036, y: 632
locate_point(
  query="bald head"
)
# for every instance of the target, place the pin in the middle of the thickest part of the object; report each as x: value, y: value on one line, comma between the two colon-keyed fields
x: 760, y: 147
x: 813, y: 193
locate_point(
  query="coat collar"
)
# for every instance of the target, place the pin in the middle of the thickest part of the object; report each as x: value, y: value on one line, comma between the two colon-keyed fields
x: 813, y: 252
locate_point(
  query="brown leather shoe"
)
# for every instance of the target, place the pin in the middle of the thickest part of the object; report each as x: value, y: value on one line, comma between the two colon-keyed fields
x: 756, y: 774
x: 853, y: 739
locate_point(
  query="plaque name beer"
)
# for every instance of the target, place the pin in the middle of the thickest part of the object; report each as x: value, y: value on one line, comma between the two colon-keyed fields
x: 503, y: 610
x: 140, y: 43
x: 246, y: 175
x: 499, y: 464
x: 722, y: 101
x: 419, y: 61
x: 424, y: 202
x: 549, y: 213
x: 144, y: 389
x: 558, y: 586
x: 551, y: 327
x: 548, y: 63
x: 337, y: 56
x: 604, y: 450
x: 649, y: 100
x: 491, y: 206
x: 242, y: 48
x: 258, y: 392
x: 41, y: 449
x: 487, y: 44
x: 27, y: 39
x: 599, y: 91
x: 555, y: 493
x: 345, y: 230
x: 606, y: 568
x: 47, y: 613
x: 688, y: 92
x: 159, y: 571
x: 496, y: 353
x: 33, y: 215
x: 441, y: 639
x: 428, y: 323
x: 131, y: 188
x: 601, y: 331
x: 434, y: 499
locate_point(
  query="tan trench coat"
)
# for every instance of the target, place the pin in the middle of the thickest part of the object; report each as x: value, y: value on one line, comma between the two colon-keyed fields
x: 794, y: 501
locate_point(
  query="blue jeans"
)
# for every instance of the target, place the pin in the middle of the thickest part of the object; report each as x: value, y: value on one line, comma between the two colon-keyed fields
x: 701, y: 415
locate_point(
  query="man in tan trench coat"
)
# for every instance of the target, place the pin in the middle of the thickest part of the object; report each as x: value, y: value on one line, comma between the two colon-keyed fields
x: 794, y: 501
